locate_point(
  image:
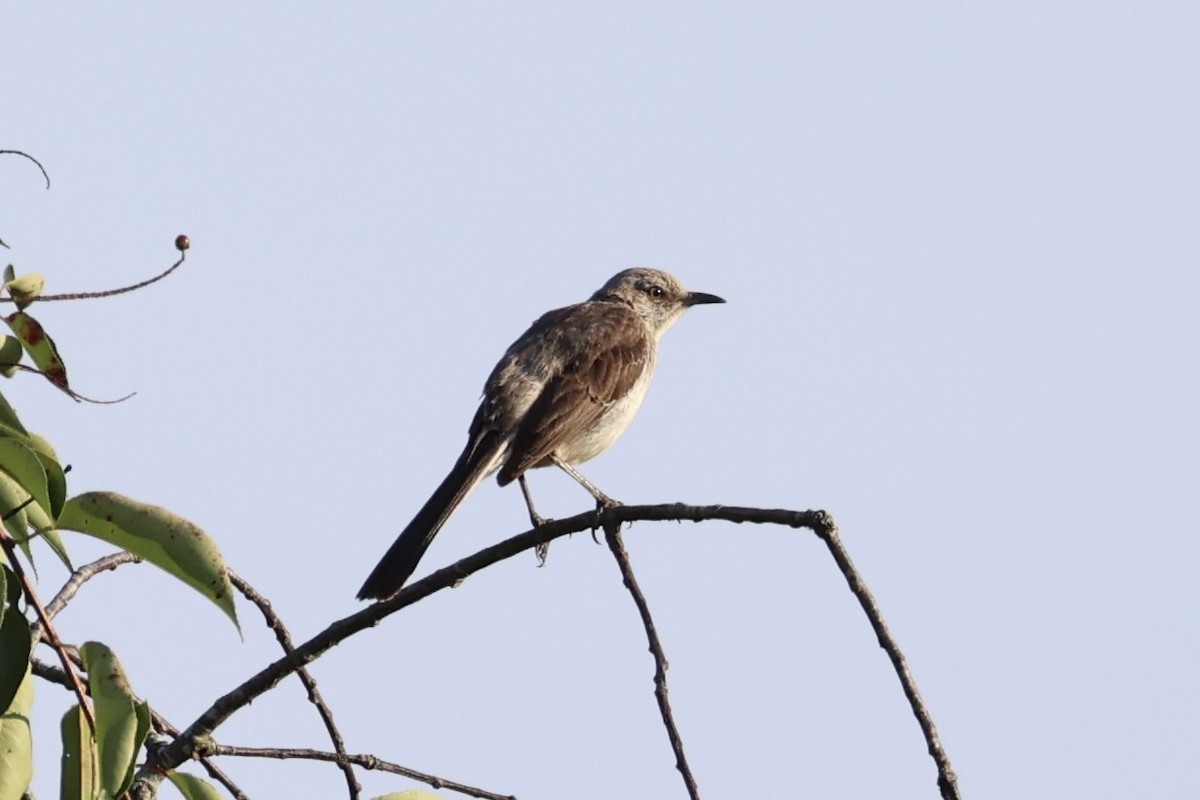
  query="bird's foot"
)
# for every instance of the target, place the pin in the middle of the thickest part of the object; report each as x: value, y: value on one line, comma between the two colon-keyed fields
x: 603, y: 502
x: 542, y: 551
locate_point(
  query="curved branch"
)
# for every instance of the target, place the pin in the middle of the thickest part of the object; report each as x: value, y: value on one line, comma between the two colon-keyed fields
x: 49, y: 298
x: 57, y: 381
x: 225, y: 706
x: 175, y: 753
x: 23, y: 154
x: 81, y: 576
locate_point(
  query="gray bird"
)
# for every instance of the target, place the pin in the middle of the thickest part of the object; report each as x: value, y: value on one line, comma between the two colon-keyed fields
x: 563, y: 393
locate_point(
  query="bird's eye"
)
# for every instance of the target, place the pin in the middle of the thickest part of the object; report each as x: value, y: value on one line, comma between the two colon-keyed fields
x: 656, y: 291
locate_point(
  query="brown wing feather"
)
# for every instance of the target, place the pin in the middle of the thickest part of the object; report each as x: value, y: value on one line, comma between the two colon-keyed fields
x: 599, y: 362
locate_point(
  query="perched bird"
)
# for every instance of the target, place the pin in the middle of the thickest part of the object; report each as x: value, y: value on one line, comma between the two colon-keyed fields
x: 563, y: 393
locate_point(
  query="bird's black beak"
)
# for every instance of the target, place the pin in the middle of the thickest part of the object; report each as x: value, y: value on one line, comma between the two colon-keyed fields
x: 701, y: 298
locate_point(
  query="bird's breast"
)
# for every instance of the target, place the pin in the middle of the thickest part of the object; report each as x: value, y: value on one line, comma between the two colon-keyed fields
x: 611, y: 424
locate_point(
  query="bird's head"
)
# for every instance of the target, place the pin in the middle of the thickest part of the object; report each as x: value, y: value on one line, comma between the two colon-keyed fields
x: 656, y: 297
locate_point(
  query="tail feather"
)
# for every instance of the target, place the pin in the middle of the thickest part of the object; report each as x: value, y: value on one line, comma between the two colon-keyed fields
x: 401, y: 559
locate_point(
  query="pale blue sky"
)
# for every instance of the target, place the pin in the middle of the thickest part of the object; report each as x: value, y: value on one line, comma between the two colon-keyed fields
x: 959, y: 245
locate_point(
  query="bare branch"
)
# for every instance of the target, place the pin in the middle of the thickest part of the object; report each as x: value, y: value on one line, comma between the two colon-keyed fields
x: 821, y: 523
x: 947, y: 780
x: 612, y: 534
x: 49, y: 298
x: 310, y: 684
x: 45, y: 174
x: 225, y: 706
x: 80, y: 577
x: 365, y: 761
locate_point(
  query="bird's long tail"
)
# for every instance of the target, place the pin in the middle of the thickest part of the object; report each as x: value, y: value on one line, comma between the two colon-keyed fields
x: 398, y: 563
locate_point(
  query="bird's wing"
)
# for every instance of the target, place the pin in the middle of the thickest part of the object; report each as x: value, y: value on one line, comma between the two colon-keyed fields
x: 596, y: 364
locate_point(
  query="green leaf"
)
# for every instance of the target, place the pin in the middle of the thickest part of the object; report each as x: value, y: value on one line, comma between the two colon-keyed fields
x: 79, y: 778
x: 25, y: 288
x: 38, y: 516
x: 16, y: 743
x: 24, y: 466
x: 16, y: 644
x: 9, y: 420
x: 54, y: 540
x: 121, y: 720
x: 48, y: 533
x: 40, y: 347
x: 194, y: 788
x: 142, y: 710
x: 11, y: 354
x: 409, y: 794
x: 157, y: 535
x: 56, y: 476
x: 12, y: 495
x: 12, y: 589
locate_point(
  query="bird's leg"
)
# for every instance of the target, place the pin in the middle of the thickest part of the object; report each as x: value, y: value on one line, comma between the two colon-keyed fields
x: 541, y: 550
x: 535, y: 518
x: 603, y: 501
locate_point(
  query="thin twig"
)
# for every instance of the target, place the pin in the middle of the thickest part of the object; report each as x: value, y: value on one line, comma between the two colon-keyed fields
x: 612, y: 535
x: 947, y: 780
x: 45, y: 174
x: 48, y: 634
x: 50, y: 298
x: 82, y: 575
x: 74, y: 395
x: 366, y: 761
x: 310, y: 684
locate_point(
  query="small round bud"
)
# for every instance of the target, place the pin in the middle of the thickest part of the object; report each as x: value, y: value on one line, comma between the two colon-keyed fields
x: 182, y: 243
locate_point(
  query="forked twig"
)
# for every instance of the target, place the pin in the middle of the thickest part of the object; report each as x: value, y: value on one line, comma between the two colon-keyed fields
x: 163, y: 726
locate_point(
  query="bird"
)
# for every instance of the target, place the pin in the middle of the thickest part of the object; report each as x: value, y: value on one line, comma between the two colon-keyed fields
x: 562, y: 393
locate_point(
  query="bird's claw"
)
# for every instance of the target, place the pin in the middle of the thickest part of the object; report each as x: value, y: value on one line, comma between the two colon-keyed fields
x: 602, y: 503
